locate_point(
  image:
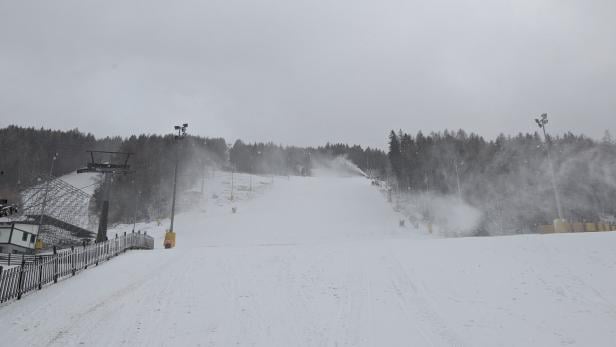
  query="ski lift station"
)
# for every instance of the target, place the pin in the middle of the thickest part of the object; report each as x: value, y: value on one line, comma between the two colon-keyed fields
x: 18, y: 238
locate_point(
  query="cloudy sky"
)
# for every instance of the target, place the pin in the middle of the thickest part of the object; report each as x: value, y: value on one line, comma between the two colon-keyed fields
x: 308, y: 71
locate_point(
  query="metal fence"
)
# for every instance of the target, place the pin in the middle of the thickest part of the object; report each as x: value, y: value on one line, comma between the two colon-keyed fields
x: 34, y: 273
x: 9, y: 259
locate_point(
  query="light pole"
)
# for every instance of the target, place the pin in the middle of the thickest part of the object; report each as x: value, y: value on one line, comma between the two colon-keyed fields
x: 181, y: 134
x: 203, y: 176
x: 232, y: 181
x: 137, y: 193
x: 541, y: 122
x: 455, y: 163
x: 46, y: 192
x: 252, y: 168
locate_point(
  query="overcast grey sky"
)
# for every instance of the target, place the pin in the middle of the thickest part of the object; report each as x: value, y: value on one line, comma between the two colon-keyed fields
x: 309, y: 71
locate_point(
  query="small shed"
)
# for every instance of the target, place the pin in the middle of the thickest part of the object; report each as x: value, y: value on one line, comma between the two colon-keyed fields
x: 18, y: 237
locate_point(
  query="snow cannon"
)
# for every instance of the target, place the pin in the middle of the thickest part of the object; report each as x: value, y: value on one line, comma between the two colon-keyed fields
x: 169, y: 239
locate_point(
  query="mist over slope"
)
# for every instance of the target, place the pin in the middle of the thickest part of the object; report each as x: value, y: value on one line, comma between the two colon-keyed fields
x: 503, y: 183
x: 508, y: 180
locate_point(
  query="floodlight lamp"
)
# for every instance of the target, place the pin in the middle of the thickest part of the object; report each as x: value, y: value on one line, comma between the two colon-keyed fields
x: 177, y: 127
x: 185, y: 125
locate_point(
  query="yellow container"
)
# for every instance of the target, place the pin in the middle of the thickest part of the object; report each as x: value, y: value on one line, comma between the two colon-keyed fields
x: 578, y: 227
x: 169, y: 239
x: 38, y: 245
x: 591, y: 227
x: 561, y: 226
x: 546, y: 229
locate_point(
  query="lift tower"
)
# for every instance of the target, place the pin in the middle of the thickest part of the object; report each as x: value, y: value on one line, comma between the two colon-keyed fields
x: 115, y: 164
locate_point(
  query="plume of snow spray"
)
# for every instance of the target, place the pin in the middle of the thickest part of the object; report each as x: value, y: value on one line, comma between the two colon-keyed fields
x: 447, y: 215
x: 339, y: 166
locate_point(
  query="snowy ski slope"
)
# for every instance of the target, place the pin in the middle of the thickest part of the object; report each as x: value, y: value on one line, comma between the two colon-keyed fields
x: 323, y: 262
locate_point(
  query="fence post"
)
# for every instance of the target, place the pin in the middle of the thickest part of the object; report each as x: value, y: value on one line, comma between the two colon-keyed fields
x: 55, y: 264
x: 1, y: 269
x: 40, y: 276
x: 73, y: 259
x: 20, y: 282
x: 85, y: 255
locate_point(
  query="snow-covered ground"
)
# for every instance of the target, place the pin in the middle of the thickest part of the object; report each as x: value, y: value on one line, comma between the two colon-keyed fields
x: 322, y: 262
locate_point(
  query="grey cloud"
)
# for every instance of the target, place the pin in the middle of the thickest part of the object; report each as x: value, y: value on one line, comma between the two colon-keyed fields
x: 306, y: 72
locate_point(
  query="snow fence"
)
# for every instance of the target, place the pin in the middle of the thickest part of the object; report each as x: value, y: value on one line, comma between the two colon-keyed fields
x: 34, y: 272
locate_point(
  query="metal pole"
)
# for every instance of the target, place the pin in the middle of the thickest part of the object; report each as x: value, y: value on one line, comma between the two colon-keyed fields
x: 232, y: 182
x: 181, y: 134
x: 175, y: 183
x: 203, y: 178
x: 44, y: 205
x: 553, y: 174
x: 455, y: 163
x: 135, y: 211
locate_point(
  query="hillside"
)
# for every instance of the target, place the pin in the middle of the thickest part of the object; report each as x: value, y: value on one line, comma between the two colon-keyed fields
x: 322, y: 261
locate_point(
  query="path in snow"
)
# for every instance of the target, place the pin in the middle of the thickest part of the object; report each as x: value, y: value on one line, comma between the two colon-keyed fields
x: 322, y: 262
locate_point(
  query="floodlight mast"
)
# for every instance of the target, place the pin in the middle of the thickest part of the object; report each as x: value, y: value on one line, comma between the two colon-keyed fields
x: 46, y: 192
x: 180, y: 135
x: 542, y: 122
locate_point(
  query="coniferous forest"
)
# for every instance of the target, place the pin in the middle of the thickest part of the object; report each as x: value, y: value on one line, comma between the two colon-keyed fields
x: 29, y: 152
x: 507, y: 179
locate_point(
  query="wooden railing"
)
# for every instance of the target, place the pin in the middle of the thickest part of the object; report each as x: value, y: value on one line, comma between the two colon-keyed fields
x: 34, y: 273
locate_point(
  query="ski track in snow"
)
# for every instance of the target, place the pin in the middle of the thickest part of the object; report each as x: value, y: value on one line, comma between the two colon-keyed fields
x: 323, y: 262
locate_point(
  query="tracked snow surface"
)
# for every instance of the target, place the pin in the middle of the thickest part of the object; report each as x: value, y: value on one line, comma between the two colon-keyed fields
x: 322, y: 261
